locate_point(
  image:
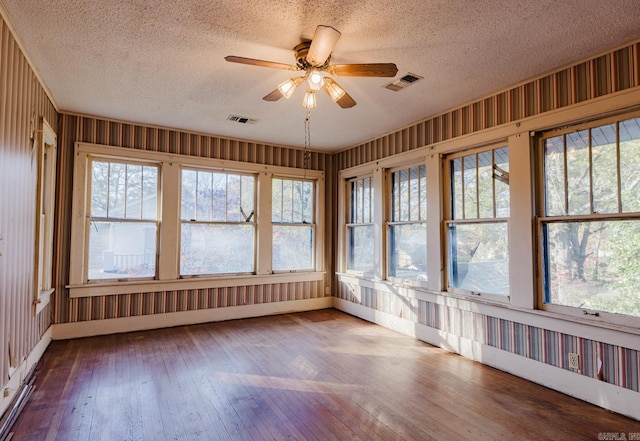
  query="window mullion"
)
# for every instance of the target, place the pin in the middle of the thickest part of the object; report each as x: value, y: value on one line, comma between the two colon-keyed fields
x: 618, y: 171
x: 590, y: 155
x: 566, y: 175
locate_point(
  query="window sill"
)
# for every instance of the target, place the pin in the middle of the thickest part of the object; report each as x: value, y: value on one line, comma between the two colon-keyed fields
x: 144, y: 286
x: 42, y: 300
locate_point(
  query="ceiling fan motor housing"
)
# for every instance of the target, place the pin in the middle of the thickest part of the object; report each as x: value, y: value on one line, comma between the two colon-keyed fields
x: 301, y: 52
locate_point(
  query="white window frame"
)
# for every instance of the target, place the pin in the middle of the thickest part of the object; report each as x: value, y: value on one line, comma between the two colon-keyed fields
x: 252, y: 220
x: 312, y: 223
x: 45, y: 211
x: 124, y: 220
x: 448, y: 220
x: 542, y: 219
x: 168, y: 277
x: 390, y: 223
x: 371, y: 223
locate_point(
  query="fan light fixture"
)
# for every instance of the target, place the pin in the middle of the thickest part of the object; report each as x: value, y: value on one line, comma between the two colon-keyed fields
x: 333, y: 89
x: 315, y: 80
x: 288, y: 87
x: 309, y: 100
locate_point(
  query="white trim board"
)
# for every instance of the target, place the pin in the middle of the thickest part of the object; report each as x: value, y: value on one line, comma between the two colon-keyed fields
x: 63, y: 331
x: 19, y: 374
x: 608, y: 396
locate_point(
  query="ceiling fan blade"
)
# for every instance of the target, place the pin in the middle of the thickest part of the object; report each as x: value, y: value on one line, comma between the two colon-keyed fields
x: 364, y: 70
x: 273, y: 96
x: 337, y: 93
x: 262, y: 63
x: 346, y: 101
x: 322, y: 44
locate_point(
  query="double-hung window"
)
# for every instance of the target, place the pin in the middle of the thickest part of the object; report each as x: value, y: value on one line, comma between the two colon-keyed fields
x: 123, y: 222
x: 360, y: 226
x: 293, y: 224
x: 590, y: 219
x: 407, y: 226
x: 477, y: 225
x: 217, y: 234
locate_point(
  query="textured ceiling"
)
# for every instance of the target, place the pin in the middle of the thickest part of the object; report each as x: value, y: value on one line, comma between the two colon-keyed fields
x: 162, y: 62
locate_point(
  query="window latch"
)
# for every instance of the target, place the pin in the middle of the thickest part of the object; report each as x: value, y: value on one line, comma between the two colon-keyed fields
x: 595, y: 314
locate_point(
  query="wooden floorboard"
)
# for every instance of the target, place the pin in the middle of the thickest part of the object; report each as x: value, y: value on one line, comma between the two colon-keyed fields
x: 320, y: 375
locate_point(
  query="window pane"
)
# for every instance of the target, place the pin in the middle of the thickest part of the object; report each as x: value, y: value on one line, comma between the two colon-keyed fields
x: 470, y: 188
x: 277, y: 200
x: 456, y: 184
x: 204, y: 196
x: 408, y: 251
x: 149, y: 192
x: 99, y: 188
x: 188, y: 207
x: 292, y: 201
x: 485, y: 185
x: 593, y: 265
x: 578, y: 182
x: 630, y: 165
x: 219, y: 196
x: 554, y: 179
x: 234, y: 199
x: 604, y: 169
x: 216, y: 249
x: 404, y: 196
x: 360, y: 250
x: 133, y: 190
x: 122, y: 250
x: 395, y: 195
x: 247, y: 199
x: 117, y: 187
x: 292, y: 247
x: 479, y: 257
x: 367, y: 200
x: 361, y: 201
x: 502, y: 193
x: 307, y: 196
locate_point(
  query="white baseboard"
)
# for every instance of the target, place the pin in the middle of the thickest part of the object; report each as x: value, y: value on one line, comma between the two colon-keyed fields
x: 63, y: 331
x: 591, y: 390
x: 19, y: 373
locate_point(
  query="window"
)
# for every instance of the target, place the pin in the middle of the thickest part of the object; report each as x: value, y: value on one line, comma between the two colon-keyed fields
x: 123, y: 224
x: 407, y: 228
x: 45, y: 206
x: 292, y: 216
x: 360, y: 227
x: 217, y: 234
x: 477, y: 229
x: 145, y: 221
x: 590, y: 223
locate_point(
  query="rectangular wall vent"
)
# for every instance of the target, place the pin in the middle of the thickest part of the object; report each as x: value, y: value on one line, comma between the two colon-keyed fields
x: 241, y: 119
x: 403, y: 82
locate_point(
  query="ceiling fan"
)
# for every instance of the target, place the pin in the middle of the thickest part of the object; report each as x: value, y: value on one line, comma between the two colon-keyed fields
x: 313, y: 58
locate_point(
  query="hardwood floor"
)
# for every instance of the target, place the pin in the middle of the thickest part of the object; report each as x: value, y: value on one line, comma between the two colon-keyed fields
x: 320, y: 375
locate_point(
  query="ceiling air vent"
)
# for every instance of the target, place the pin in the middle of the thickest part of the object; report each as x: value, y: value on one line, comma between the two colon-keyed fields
x: 405, y: 81
x: 241, y: 119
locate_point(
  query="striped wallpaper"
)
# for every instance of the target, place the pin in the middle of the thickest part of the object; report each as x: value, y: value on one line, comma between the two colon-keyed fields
x: 602, y: 75
x: 22, y: 103
x: 76, y: 128
x: 619, y: 366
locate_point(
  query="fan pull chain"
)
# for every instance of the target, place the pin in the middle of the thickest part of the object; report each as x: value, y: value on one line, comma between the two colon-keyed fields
x: 307, y: 144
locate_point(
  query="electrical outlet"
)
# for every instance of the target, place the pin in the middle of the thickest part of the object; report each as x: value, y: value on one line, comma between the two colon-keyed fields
x: 574, y: 361
x: 327, y: 290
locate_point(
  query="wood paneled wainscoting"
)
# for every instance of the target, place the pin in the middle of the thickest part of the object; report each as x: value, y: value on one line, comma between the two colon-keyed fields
x: 316, y: 375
